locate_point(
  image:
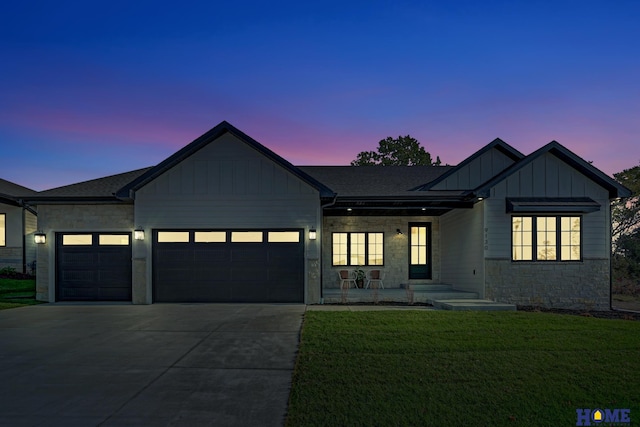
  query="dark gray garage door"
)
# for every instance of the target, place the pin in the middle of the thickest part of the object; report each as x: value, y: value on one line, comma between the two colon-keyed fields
x: 93, y: 267
x: 228, y: 266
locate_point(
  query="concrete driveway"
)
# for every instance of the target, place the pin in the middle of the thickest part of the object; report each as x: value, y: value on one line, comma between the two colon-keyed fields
x: 154, y: 365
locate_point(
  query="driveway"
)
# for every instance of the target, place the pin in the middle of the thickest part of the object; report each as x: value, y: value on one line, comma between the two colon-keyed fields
x: 153, y: 365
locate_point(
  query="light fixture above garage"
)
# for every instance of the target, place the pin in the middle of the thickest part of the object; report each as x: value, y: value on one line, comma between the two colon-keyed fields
x: 40, y: 238
x: 313, y: 235
x: 138, y: 234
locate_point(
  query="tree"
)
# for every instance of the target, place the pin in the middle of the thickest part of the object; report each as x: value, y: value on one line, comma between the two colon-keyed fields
x: 401, y: 151
x: 625, y: 213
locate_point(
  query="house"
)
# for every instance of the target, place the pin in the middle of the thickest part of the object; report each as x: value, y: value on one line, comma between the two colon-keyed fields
x: 18, y: 222
x: 225, y: 219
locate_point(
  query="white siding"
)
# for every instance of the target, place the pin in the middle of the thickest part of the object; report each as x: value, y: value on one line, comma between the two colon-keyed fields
x: 478, y: 171
x: 461, y: 242
x: 547, y: 176
x: 228, y: 184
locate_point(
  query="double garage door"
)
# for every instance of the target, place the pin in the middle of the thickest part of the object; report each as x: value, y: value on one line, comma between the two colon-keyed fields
x: 228, y: 266
x: 188, y: 266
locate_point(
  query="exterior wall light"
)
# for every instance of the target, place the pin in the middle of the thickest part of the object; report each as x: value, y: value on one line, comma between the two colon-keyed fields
x: 313, y: 235
x: 398, y: 231
x: 138, y: 234
x: 40, y: 238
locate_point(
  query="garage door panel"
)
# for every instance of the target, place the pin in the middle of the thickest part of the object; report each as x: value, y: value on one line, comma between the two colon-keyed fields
x: 92, y: 272
x: 228, y: 271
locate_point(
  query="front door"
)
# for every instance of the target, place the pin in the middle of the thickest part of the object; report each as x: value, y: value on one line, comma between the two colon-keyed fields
x: 420, y: 250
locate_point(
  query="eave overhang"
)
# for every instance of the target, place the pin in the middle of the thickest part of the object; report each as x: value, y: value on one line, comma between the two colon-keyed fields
x: 551, y: 205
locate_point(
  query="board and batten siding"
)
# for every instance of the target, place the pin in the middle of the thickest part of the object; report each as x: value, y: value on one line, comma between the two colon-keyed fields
x: 461, y: 241
x: 478, y: 171
x: 547, y: 176
x: 225, y: 185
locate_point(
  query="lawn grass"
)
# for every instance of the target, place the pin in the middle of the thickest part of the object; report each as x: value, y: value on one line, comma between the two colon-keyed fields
x: 17, y: 293
x: 462, y: 368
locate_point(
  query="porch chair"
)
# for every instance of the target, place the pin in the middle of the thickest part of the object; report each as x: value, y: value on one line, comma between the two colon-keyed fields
x: 346, y: 276
x: 375, y: 276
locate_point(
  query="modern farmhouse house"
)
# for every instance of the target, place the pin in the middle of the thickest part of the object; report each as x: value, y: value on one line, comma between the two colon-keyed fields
x: 227, y: 220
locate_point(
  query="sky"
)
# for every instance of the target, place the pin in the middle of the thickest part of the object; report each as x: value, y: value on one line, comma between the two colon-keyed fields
x: 94, y: 88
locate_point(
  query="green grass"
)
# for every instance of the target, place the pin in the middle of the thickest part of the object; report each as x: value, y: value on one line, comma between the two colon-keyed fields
x: 462, y: 368
x: 17, y: 293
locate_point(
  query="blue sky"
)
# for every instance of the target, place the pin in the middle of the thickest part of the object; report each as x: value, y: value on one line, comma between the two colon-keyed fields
x: 89, y: 89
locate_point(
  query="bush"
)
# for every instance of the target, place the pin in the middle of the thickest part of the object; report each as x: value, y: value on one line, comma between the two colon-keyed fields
x: 11, y: 273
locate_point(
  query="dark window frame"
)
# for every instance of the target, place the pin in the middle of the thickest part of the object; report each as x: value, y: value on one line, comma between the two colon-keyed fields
x: 366, y: 248
x: 413, y: 274
x: 558, y: 243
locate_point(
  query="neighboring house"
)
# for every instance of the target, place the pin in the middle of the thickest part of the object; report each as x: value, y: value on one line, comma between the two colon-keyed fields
x: 225, y: 219
x: 18, y: 223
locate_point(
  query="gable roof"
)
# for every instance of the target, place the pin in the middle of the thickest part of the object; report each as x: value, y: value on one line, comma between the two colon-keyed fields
x: 371, y: 181
x: 95, y: 189
x: 497, y: 144
x: 224, y: 127
x: 11, y: 192
x: 615, y: 188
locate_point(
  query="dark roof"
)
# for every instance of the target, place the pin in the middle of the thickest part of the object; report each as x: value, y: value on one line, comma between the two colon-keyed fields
x: 200, y: 142
x: 497, y: 144
x: 95, y: 188
x: 9, y: 188
x: 614, y: 187
x: 371, y: 181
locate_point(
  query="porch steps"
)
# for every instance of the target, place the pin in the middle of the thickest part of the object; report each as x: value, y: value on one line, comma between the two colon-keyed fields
x: 472, y: 304
x: 441, y: 295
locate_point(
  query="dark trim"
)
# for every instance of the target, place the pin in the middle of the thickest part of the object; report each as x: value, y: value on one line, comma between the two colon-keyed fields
x: 221, y: 129
x: 366, y: 248
x: 497, y: 144
x: 429, y: 264
x: 558, y: 245
x: 551, y: 205
x: 53, y: 200
x: 615, y: 188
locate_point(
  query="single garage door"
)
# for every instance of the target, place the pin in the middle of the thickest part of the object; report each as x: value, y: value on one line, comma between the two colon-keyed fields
x: 228, y: 266
x: 93, y: 266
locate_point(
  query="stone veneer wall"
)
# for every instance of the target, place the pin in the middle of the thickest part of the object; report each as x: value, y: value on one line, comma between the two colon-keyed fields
x: 583, y: 286
x: 396, y: 246
x: 73, y: 218
x: 11, y: 257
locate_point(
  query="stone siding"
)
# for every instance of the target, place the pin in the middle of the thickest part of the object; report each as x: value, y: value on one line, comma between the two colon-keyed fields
x: 581, y: 286
x: 396, y: 247
x: 11, y: 257
x: 73, y: 218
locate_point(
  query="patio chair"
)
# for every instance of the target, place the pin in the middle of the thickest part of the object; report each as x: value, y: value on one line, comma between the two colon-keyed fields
x: 375, y: 276
x: 347, y: 277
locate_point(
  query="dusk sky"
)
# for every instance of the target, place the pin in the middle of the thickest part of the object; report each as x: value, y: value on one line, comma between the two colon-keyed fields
x: 92, y: 88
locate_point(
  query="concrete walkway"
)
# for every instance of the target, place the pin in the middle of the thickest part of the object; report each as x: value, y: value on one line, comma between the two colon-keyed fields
x: 154, y: 365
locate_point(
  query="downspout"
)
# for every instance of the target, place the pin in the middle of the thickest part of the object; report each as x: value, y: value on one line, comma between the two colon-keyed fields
x: 610, y: 256
x: 326, y: 205
x: 25, y: 207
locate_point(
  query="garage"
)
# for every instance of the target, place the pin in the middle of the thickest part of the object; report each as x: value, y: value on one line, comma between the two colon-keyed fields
x: 93, y: 266
x: 228, y: 266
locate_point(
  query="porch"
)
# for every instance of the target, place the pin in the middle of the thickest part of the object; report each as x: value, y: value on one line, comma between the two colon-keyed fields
x: 441, y: 296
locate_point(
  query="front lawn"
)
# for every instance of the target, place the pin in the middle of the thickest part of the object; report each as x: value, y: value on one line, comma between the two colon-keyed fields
x: 462, y: 368
x: 17, y: 293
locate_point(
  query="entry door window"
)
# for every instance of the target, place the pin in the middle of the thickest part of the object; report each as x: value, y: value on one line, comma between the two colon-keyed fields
x: 420, y: 251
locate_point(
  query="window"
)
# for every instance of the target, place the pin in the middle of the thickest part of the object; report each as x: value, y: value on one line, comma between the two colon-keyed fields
x: 357, y: 248
x: 210, y: 236
x: 77, y: 240
x: 546, y: 238
x: 420, y: 250
x: 283, y: 237
x: 113, y: 239
x: 246, y: 236
x: 3, y: 230
x: 173, y: 237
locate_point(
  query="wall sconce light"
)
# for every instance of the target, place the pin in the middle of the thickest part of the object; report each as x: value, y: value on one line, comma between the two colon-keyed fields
x: 313, y: 235
x: 138, y: 234
x: 398, y: 231
x: 40, y: 238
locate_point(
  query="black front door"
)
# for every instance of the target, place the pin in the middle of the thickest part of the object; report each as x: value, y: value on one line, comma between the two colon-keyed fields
x: 420, y: 250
